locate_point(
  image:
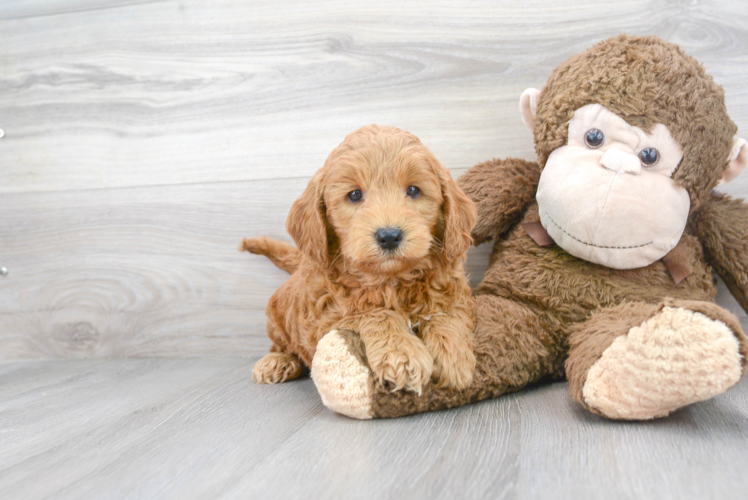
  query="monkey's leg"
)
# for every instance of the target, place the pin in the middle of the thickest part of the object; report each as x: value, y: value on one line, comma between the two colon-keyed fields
x: 641, y: 361
x: 511, y: 349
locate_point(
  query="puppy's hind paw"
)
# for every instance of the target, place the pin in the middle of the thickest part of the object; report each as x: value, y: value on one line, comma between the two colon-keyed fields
x: 277, y: 367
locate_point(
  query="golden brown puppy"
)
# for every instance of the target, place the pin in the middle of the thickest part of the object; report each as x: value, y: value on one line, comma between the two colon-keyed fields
x: 382, y: 231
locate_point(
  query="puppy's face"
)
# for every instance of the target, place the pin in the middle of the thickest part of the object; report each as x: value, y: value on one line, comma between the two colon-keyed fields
x: 382, y: 203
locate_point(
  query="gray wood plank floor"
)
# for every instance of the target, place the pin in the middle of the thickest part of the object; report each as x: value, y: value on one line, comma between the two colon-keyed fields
x: 200, y: 428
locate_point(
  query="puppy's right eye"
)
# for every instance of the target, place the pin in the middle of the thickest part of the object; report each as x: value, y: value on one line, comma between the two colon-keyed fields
x: 355, y: 195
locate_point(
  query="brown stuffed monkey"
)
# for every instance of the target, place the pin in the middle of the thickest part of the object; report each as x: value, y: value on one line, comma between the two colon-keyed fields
x: 605, y: 250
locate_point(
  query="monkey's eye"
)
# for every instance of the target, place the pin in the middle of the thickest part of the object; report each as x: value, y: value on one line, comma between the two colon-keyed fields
x: 594, y: 138
x: 649, y: 156
x: 413, y: 192
x: 355, y: 195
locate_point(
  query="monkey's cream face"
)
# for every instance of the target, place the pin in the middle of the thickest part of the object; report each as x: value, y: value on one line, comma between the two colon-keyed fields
x: 608, y: 196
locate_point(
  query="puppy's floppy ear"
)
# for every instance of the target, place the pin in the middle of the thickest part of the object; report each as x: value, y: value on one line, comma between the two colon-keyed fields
x: 306, y: 221
x: 460, y: 216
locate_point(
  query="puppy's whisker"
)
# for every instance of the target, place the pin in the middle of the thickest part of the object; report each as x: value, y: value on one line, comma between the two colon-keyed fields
x: 437, y: 246
x: 335, y: 257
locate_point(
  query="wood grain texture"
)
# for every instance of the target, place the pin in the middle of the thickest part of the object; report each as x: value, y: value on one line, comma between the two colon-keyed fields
x: 153, y: 271
x: 144, y: 139
x: 199, y: 428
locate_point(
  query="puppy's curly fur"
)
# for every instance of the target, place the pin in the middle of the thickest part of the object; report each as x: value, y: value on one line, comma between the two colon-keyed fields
x: 411, y: 305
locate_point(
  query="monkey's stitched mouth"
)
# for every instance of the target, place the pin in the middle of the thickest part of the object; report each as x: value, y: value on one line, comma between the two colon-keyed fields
x: 592, y: 244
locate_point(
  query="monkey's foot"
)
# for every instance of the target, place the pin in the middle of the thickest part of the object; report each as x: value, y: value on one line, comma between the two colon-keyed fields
x: 342, y: 376
x: 675, y: 358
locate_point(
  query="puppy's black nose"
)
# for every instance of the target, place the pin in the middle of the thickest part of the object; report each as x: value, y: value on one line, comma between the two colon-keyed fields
x: 389, y: 238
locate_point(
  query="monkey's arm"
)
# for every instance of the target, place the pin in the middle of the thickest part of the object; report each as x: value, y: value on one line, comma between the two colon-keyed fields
x: 501, y: 190
x: 722, y: 227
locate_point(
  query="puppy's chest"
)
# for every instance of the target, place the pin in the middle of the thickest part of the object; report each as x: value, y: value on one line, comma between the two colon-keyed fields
x: 413, y: 302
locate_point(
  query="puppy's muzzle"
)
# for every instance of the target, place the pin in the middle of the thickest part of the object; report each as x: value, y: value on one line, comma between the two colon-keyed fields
x: 389, y: 238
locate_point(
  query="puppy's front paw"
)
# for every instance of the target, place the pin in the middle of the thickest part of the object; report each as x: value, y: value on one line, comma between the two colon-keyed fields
x: 402, y: 360
x: 454, y: 361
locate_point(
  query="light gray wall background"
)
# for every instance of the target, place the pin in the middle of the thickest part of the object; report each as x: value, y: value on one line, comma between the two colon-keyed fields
x: 144, y: 139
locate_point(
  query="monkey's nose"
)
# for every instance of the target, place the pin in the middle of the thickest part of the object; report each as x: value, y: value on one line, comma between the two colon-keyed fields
x: 620, y: 161
x: 389, y: 238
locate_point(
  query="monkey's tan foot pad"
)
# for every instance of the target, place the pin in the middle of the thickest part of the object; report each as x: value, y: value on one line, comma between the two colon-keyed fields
x: 342, y: 376
x: 675, y: 358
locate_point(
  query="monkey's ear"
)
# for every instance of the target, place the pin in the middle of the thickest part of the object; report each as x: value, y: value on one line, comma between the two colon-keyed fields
x: 737, y: 161
x: 306, y: 221
x: 528, y: 106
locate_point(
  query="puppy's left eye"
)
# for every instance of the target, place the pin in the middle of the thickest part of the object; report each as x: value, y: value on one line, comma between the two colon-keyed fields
x: 355, y: 195
x: 413, y: 192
